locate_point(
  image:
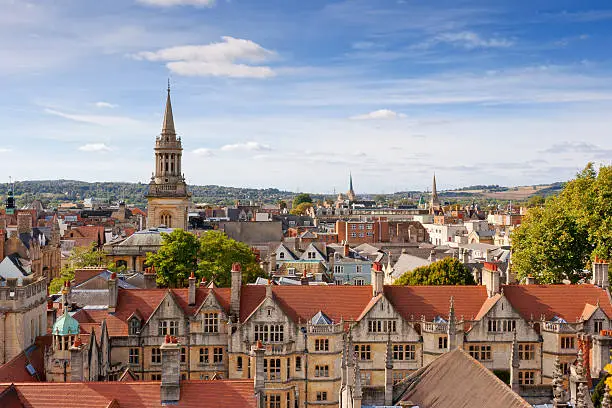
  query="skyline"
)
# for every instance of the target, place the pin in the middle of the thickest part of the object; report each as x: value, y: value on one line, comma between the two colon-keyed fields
x: 291, y: 96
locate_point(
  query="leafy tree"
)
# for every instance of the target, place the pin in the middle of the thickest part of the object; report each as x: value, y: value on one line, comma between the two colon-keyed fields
x: 176, y: 258
x: 300, y: 209
x: 535, y: 201
x: 80, y: 257
x: 282, y: 204
x: 448, y: 271
x: 556, y: 242
x: 599, y: 390
x: 301, y: 198
x: 217, y: 253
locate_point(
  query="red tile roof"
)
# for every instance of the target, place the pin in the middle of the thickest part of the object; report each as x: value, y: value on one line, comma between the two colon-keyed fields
x: 82, y: 275
x: 412, y: 302
x: 200, y: 394
x: 15, y: 369
x: 565, y: 301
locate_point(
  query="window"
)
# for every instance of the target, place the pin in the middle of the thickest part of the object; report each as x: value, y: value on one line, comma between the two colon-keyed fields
x: 156, y: 356
x: 274, y: 401
x: 442, y: 342
x: 239, y: 363
x: 211, y: 322
x: 273, y: 368
x: 311, y: 255
x: 273, y: 333
x: 281, y: 255
x: 597, y: 326
x: 321, y: 344
x: 399, y: 376
x: 526, y: 377
x: 203, y: 355
x: 322, y: 371
x: 361, y: 226
x: 526, y: 351
x: 321, y: 395
x: 359, y: 282
x: 353, y: 235
x: 358, y: 268
x: 382, y: 326
x: 363, y: 351
x: 162, y: 328
x: 155, y: 377
x: 369, y: 226
x: 567, y: 342
x: 134, y: 356
x: 183, y: 354
x: 298, y: 363
x: 366, y: 377
x: 291, y: 271
x: 134, y: 327
x: 361, y: 235
x: 173, y: 328
x: 481, y: 352
x: 338, y: 269
x: 339, y: 281
x: 218, y: 354
x: 501, y: 325
x: 353, y: 226
x: 403, y: 351
x: 565, y: 368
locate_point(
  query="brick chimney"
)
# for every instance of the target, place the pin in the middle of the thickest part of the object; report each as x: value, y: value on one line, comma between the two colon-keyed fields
x: 113, y: 292
x: 378, y: 279
x: 150, y: 278
x: 236, y: 286
x: 600, y: 273
x: 171, y: 371
x: 191, y: 296
x: 491, y: 278
x: 347, y: 249
x: 76, y: 361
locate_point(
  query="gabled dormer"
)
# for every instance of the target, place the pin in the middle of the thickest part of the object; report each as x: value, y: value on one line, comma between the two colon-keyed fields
x: 134, y: 322
x: 284, y: 254
x: 379, y: 319
x: 594, y: 319
x: 312, y: 253
x: 167, y: 318
x: 210, y: 316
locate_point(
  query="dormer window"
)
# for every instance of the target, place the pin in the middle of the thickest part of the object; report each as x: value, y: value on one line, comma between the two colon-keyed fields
x: 281, y: 255
x: 134, y: 327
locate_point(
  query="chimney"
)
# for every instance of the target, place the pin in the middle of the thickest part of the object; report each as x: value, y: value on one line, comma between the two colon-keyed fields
x: 236, y: 285
x: 191, y: 296
x: 600, y: 273
x: 113, y: 291
x: 24, y: 223
x: 530, y: 280
x: 76, y: 361
x: 491, y: 278
x: 2, y: 239
x: 150, y: 278
x: 378, y: 278
x: 347, y: 249
x: 171, y: 371
x: 203, y: 282
x: 258, y: 352
x: 304, y: 279
x: 269, y: 289
x: 272, y: 263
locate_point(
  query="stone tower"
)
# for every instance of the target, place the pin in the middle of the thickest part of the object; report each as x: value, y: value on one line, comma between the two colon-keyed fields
x: 168, y: 198
x: 434, y: 203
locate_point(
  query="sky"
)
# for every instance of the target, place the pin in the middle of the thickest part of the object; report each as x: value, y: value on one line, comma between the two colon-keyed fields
x: 296, y: 94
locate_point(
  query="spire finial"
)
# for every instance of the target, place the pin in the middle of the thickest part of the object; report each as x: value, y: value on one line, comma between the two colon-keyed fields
x: 168, y: 125
x: 168, y: 85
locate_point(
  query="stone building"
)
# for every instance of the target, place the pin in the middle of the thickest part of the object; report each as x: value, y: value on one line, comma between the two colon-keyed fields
x: 302, y: 331
x: 23, y: 314
x: 168, y: 198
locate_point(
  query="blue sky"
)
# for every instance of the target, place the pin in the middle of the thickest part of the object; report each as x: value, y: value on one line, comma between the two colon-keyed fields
x: 295, y: 94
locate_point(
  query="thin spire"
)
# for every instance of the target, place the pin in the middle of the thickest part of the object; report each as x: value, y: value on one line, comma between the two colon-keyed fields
x: 168, y: 125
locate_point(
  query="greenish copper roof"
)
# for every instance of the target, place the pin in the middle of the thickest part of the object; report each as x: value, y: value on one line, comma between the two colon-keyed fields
x: 66, y: 325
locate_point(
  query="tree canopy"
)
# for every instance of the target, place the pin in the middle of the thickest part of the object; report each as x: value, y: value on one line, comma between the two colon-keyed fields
x: 301, y: 198
x: 448, y: 271
x: 557, y: 241
x: 80, y: 257
x: 300, y: 209
x: 210, y: 257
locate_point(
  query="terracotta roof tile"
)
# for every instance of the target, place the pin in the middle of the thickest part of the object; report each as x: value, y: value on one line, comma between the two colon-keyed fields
x: 15, y: 369
x: 565, y: 301
x: 200, y: 394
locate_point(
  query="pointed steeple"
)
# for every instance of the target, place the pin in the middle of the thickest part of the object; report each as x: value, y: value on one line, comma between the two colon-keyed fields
x: 434, y: 203
x: 351, y: 192
x: 168, y: 125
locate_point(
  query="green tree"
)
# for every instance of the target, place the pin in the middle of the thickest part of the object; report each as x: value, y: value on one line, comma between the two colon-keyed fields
x: 176, y: 258
x: 557, y: 241
x: 301, y: 198
x: 217, y: 253
x: 80, y: 257
x: 300, y: 209
x: 448, y: 271
x: 535, y: 201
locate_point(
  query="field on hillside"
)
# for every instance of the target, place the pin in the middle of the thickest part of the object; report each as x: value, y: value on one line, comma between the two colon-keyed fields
x: 519, y: 193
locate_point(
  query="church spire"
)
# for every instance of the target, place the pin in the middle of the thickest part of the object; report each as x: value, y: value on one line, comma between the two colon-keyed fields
x: 168, y: 126
x: 351, y: 192
x: 435, y: 201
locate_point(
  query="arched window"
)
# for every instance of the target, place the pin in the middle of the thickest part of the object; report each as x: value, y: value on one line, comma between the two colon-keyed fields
x: 166, y: 219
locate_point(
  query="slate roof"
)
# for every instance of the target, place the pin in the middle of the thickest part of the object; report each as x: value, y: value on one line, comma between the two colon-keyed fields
x: 443, y: 383
x: 129, y: 394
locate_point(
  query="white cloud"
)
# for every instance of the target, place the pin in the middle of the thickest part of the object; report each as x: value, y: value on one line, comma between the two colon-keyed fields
x: 170, y: 3
x: 95, y: 147
x: 226, y: 58
x: 468, y: 40
x: 381, y: 114
x: 105, y: 105
x: 5, y: 150
x: 101, y: 120
x: 204, y: 152
x: 251, y: 146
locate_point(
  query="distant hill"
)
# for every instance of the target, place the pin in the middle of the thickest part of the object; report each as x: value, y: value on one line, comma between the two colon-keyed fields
x: 54, y: 192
